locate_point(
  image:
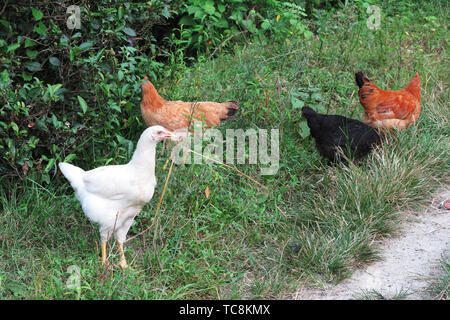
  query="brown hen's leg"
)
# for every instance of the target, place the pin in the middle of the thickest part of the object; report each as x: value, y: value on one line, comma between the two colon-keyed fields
x: 123, y: 262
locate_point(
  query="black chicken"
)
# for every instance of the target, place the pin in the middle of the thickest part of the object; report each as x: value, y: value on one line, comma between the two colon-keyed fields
x: 332, y: 131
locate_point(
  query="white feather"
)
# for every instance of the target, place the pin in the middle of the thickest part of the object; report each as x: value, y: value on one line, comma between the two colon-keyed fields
x: 112, y: 196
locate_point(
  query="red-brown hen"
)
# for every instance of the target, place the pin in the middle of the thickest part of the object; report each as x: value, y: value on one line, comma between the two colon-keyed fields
x: 389, y: 109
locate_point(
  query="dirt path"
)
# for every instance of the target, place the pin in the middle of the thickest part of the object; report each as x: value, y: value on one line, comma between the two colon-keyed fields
x: 407, y: 261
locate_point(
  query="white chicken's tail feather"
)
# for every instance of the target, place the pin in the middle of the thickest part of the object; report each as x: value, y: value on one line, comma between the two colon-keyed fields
x: 73, y: 174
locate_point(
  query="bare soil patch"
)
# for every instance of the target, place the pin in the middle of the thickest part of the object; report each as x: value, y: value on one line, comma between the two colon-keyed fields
x: 408, y: 261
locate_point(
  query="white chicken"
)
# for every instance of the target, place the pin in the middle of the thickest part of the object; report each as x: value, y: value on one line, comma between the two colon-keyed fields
x: 113, y: 195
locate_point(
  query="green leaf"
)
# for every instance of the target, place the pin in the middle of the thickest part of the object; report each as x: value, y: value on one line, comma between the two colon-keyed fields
x: 303, y: 95
x: 37, y: 14
x: 40, y: 28
x: 296, y: 103
x: 45, y: 178
x: 221, y: 8
x: 83, y: 104
x: 129, y: 32
x: 56, y: 123
x: 187, y: 21
x: 6, y: 24
x: 69, y: 157
x: 304, y: 129
x: 265, y: 25
x: 15, y: 127
x: 4, y: 77
x: 13, y: 47
x: 26, y: 76
x: 11, y: 146
x: 29, y: 43
x: 31, y: 53
x: 53, y: 88
x: 308, y: 34
x: 316, y: 96
x: 95, y: 25
x: 165, y: 12
x: 33, y: 66
x: 208, y: 6
x: 86, y: 45
x: 320, y: 108
x: 41, y: 125
x: 251, y: 26
x: 54, y: 61
x: 97, y: 57
x: 49, y: 165
x: 222, y: 23
x: 113, y: 105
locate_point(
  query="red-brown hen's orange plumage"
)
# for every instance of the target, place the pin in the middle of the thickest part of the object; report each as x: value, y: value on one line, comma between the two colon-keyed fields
x: 389, y: 109
x: 175, y: 115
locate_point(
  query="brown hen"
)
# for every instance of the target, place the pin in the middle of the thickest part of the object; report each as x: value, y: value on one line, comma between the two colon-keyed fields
x: 175, y: 115
x: 389, y: 109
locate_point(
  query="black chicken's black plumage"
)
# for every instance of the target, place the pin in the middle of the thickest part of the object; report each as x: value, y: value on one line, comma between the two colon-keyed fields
x: 332, y: 131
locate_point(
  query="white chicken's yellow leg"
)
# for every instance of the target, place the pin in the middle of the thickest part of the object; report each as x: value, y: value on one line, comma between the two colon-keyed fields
x: 103, y: 252
x: 123, y: 262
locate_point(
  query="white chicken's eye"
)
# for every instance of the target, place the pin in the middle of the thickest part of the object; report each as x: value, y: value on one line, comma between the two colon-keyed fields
x: 159, y: 132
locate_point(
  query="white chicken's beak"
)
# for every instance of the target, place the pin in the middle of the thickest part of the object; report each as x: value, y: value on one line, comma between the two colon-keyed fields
x: 167, y: 135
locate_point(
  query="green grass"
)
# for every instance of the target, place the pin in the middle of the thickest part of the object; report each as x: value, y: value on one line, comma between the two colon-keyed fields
x: 375, y: 295
x: 318, y: 222
x: 439, y: 287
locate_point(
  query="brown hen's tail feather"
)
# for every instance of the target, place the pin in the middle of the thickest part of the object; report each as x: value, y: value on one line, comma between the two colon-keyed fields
x: 360, y: 78
x: 232, y: 107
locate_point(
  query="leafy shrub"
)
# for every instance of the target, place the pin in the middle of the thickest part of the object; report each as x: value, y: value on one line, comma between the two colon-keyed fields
x: 302, y: 97
x: 68, y: 92
x: 66, y: 89
x: 207, y: 24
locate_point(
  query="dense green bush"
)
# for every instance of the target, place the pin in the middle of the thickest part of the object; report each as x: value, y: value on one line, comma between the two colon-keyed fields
x: 67, y: 90
x: 208, y: 24
x: 69, y: 93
